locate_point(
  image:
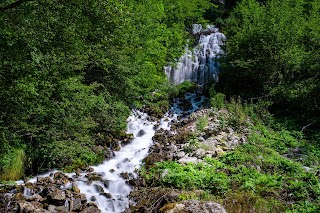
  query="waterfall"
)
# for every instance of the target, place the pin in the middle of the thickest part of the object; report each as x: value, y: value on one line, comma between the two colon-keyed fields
x: 199, y: 65
x: 111, y: 193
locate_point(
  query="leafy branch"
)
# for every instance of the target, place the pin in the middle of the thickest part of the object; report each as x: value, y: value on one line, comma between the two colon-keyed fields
x: 13, y: 5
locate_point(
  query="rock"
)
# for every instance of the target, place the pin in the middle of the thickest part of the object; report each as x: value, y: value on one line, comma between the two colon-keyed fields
x: 82, y: 197
x: 93, y: 176
x: 230, y: 130
x: 200, y: 153
x: 141, y: 133
x: 193, y: 206
x: 219, y: 152
x: 186, y: 159
x: 243, y: 140
x: 180, y: 154
x: 60, y: 176
x: 201, y: 139
x: 75, y: 188
x: 35, y: 197
x: 171, y: 148
x: 93, y: 198
x: 210, y: 153
x: 19, y: 197
x: 90, y: 208
x: 164, y: 173
x: 29, y: 207
x: 90, y: 169
x: 135, y: 182
x: 219, y: 137
x: 107, y: 195
x: 75, y: 204
x: 57, y: 198
x: 126, y: 175
x: 172, y: 208
x: 98, y: 188
x: 105, y: 183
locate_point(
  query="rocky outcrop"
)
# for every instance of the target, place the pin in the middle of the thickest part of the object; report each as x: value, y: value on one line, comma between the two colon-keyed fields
x: 57, y: 193
x: 193, y: 206
x: 187, y: 144
x: 167, y: 200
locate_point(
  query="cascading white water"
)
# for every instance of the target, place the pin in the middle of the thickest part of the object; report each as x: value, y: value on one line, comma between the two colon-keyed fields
x: 126, y: 160
x: 199, y: 65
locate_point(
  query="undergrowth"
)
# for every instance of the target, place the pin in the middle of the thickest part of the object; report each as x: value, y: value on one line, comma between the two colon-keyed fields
x: 275, y: 171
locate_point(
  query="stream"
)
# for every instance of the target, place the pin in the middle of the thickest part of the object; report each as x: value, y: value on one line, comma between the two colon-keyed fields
x: 198, y: 65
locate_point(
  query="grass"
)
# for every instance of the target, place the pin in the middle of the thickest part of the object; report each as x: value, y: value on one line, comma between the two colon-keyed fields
x: 275, y: 171
x: 202, y: 122
x: 13, y: 168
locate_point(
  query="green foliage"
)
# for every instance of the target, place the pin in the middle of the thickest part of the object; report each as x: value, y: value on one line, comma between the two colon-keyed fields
x: 12, y: 164
x: 202, y: 122
x: 191, y: 176
x: 70, y: 70
x: 217, y: 101
x: 271, y: 54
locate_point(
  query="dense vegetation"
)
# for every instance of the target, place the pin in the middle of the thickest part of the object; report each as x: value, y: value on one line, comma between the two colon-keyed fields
x: 271, y: 63
x: 70, y: 71
x: 273, y: 52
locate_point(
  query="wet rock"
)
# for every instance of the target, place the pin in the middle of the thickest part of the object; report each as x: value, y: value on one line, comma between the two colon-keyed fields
x: 107, y: 195
x: 35, y: 197
x: 141, y: 133
x: 90, y: 169
x: 60, y: 176
x: 29, y: 207
x: 90, y: 208
x: 93, y: 176
x: 98, y: 188
x: 126, y: 175
x: 57, y: 198
x: 75, y: 204
x: 105, y: 183
x: 18, y: 197
x: 75, y: 188
x: 82, y: 197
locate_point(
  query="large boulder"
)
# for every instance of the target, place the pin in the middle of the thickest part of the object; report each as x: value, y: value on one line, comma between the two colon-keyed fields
x: 57, y: 198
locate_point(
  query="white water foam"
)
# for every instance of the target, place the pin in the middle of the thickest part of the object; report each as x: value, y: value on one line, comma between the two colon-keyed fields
x: 200, y: 64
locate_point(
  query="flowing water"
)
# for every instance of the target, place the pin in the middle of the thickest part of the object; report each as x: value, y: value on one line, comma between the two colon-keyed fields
x: 198, y: 66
